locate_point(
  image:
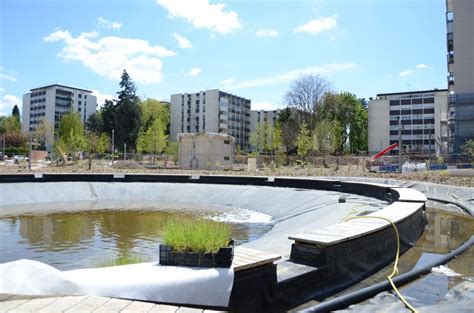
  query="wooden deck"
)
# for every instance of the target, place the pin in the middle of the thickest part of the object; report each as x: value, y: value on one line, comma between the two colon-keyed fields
x: 355, y: 228
x: 244, y: 258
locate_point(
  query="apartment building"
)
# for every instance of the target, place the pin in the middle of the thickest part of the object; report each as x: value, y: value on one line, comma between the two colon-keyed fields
x: 53, y: 101
x: 460, y: 61
x: 420, y: 115
x: 211, y: 111
x: 260, y: 116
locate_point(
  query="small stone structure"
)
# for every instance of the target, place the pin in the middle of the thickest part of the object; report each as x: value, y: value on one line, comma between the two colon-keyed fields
x: 206, y: 151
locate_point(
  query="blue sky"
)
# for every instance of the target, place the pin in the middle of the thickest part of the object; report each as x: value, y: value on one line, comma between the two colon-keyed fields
x: 250, y: 48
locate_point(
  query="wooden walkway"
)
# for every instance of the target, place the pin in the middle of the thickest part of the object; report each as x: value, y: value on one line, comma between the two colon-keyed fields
x: 244, y: 258
x: 80, y: 304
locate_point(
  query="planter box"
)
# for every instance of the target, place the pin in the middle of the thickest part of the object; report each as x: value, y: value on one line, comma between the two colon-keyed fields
x: 223, y: 257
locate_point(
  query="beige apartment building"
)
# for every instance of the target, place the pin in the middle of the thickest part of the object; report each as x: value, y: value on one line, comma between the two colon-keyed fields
x: 421, y: 116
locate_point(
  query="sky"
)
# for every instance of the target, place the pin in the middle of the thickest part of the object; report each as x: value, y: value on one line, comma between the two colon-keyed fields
x: 253, y: 49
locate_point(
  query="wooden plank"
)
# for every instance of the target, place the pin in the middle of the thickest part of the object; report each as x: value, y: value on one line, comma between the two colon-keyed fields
x: 355, y: 228
x: 35, y: 304
x: 163, y: 308
x: 13, y: 302
x: 62, y: 303
x: 113, y: 305
x: 88, y: 304
x: 138, y: 306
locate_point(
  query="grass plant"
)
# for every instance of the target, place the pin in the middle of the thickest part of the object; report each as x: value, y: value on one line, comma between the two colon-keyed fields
x: 197, y: 235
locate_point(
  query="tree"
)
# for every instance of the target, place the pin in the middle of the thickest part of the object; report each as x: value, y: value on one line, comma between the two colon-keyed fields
x: 16, y: 113
x: 108, y: 113
x: 43, y: 133
x: 326, y: 136
x: 304, y: 142
x: 352, y: 117
x: 96, y: 144
x: 261, y: 136
x: 95, y: 123
x: 71, y: 133
x: 468, y: 148
x: 128, y: 114
x: 289, y: 127
x: 154, y: 139
x: 153, y: 109
x: 306, y: 93
x: 172, y: 150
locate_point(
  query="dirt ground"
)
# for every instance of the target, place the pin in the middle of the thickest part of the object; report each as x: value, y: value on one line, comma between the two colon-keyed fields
x: 439, y: 177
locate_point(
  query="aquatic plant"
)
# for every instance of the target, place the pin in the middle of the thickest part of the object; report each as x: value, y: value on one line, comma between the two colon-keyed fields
x: 197, y: 235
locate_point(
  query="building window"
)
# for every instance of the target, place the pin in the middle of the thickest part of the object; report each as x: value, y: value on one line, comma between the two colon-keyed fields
x: 405, y: 102
x: 428, y: 100
x: 79, y: 95
x: 226, y: 158
x: 227, y: 142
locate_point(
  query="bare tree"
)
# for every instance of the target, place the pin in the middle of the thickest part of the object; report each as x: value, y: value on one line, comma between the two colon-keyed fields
x: 305, y: 95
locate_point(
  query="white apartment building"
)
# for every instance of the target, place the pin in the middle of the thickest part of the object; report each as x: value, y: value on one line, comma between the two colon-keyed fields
x: 260, y: 116
x: 421, y: 116
x: 211, y: 111
x: 460, y: 60
x: 53, y: 101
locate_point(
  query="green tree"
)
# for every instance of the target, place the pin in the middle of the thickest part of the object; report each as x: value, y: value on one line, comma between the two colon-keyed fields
x: 304, y: 142
x: 153, y: 109
x: 289, y: 129
x: 128, y: 114
x: 16, y: 113
x: 154, y: 139
x: 96, y: 144
x: 352, y: 117
x: 468, y: 148
x: 172, y: 150
x: 95, y: 123
x: 108, y: 113
x: 71, y: 134
x: 326, y: 137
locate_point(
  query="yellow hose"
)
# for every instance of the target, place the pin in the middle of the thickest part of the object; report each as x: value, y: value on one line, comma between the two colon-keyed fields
x: 395, y: 267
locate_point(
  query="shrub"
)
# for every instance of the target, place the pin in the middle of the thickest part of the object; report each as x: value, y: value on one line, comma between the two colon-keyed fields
x: 197, y: 235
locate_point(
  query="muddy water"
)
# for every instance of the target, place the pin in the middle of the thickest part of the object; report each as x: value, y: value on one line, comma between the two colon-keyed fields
x: 445, y: 231
x: 70, y: 240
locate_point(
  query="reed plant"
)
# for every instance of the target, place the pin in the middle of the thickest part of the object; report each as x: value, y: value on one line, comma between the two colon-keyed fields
x: 196, y: 235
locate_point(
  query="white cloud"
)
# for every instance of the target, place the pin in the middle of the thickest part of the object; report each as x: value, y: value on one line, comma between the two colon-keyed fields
x: 227, y: 81
x: 109, y: 56
x: 7, y: 74
x: 183, y: 42
x: 202, y: 14
x: 266, y: 33
x: 101, y: 97
x: 424, y: 67
x: 407, y: 72
x: 291, y: 75
x: 103, y: 22
x: 7, y: 102
x: 315, y: 26
x: 263, y: 106
x: 195, y: 71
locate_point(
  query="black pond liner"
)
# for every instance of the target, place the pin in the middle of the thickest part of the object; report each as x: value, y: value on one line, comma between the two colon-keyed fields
x: 223, y: 257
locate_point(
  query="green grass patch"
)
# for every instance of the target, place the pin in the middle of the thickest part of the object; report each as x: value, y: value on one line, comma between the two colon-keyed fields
x: 122, y: 260
x: 194, y: 234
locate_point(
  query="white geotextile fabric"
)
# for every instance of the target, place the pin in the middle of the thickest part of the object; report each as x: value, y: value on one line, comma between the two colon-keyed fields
x: 143, y: 281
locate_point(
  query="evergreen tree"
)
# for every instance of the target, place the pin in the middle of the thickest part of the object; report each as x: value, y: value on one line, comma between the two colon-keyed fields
x: 128, y: 114
x: 16, y: 113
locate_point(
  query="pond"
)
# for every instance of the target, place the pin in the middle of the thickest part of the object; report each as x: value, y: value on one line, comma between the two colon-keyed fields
x: 91, y: 238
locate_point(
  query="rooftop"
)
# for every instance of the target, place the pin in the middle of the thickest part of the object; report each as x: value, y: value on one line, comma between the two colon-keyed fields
x: 63, y: 86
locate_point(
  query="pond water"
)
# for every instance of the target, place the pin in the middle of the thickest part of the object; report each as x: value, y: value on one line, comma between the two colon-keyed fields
x: 91, y: 238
